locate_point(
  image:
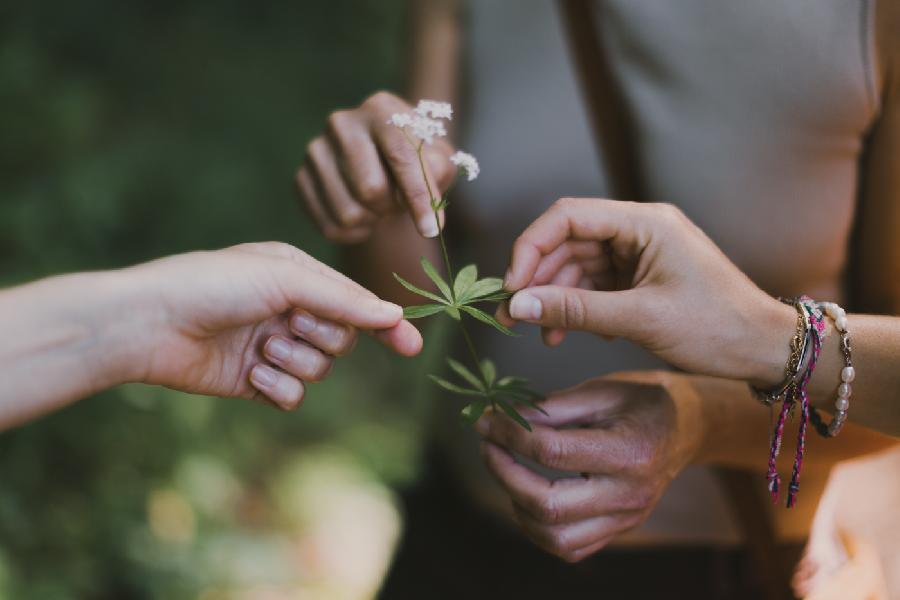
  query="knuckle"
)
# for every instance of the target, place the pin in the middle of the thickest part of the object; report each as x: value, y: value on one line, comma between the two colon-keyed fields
x: 346, y: 341
x: 549, y: 451
x: 351, y: 216
x: 371, y: 190
x: 559, y: 543
x: 337, y: 121
x: 381, y: 98
x: 573, y: 311
x: 548, y: 509
x: 320, y: 368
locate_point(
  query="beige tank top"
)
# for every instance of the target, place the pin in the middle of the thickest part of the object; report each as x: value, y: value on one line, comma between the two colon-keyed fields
x: 750, y: 115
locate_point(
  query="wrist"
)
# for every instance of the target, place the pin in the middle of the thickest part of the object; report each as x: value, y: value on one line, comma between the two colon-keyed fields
x: 118, y: 314
x: 767, y: 346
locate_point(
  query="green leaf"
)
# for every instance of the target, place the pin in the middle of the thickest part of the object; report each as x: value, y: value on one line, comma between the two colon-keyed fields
x: 466, y: 374
x: 486, y: 318
x: 436, y: 278
x: 419, y: 291
x: 464, y: 280
x: 483, y: 287
x: 422, y: 310
x: 473, y: 411
x: 452, y: 387
x: 513, y: 413
x: 489, y: 371
x: 452, y: 311
x: 510, y: 380
x: 498, y: 297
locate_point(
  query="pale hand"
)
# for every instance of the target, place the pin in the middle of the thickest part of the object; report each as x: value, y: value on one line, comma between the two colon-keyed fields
x: 253, y: 321
x: 647, y: 273
x: 362, y: 169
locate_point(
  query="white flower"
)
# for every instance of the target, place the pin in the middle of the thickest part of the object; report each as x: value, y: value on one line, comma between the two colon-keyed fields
x: 400, y: 120
x: 426, y: 129
x: 467, y: 163
x: 435, y: 110
x: 421, y: 127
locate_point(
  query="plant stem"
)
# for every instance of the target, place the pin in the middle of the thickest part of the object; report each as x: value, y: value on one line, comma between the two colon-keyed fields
x: 446, y: 256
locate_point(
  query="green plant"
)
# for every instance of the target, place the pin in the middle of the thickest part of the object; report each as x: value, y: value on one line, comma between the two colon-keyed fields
x: 457, y: 296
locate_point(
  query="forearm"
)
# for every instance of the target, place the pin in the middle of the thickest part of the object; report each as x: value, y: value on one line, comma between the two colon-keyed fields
x: 875, y: 341
x: 737, y: 428
x: 63, y: 339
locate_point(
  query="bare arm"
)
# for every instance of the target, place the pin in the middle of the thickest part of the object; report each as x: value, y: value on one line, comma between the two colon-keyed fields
x: 253, y: 321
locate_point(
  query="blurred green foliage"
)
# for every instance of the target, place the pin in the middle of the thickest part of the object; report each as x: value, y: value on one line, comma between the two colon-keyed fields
x: 131, y: 130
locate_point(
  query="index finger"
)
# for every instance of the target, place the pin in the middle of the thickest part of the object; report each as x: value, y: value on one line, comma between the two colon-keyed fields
x: 575, y: 450
x: 340, y: 301
x: 568, y: 219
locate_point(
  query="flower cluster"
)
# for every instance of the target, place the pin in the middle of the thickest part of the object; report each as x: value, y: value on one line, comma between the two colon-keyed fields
x: 467, y: 163
x: 425, y: 122
x: 457, y: 296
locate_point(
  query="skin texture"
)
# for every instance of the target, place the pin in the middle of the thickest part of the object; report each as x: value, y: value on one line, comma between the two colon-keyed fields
x: 648, y: 274
x: 254, y: 321
x: 626, y: 436
x: 394, y: 244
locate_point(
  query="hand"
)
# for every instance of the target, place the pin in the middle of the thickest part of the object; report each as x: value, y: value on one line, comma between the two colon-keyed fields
x: 626, y: 435
x: 645, y: 272
x: 356, y: 172
x: 252, y: 321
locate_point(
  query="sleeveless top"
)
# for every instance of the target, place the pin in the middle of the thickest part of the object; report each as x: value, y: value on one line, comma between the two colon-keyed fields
x: 750, y: 115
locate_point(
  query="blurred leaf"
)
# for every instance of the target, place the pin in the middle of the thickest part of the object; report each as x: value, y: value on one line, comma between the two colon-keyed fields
x: 489, y: 371
x: 472, y: 412
x: 418, y: 290
x: 436, y: 278
x: 452, y: 387
x: 486, y: 318
x: 466, y: 374
x: 422, y: 310
x: 464, y: 280
x: 513, y: 414
x: 453, y: 312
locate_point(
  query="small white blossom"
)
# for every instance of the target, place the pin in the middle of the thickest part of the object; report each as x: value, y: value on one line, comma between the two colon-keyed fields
x: 435, y: 110
x: 467, y: 163
x: 400, y: 120
x: 426, y: 129
x: 421, y: 127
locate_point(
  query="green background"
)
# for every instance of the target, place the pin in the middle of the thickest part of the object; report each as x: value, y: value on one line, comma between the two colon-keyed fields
x: 132, y: 130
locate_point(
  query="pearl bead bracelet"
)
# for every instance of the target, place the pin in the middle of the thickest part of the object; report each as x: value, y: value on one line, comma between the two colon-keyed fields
x: 848, y: 373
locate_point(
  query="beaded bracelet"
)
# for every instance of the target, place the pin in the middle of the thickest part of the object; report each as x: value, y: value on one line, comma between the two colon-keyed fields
x: 848, y: 374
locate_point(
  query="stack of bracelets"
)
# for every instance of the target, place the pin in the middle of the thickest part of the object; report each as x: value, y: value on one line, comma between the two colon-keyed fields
x: 806, y: 345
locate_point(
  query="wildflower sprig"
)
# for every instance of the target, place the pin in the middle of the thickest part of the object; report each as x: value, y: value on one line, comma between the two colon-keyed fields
x: 457, y: 296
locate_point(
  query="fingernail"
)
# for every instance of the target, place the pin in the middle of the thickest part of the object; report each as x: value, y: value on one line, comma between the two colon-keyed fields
x: 507, y: 277
x: 525, y: 307
x: 263, y: 376
x: 303, y: 323
x: 278, y: 349
x: 428, y: 227
x: 482, y: 427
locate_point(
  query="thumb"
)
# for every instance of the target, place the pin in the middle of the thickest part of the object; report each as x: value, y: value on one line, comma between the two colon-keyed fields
x: 603, y: 313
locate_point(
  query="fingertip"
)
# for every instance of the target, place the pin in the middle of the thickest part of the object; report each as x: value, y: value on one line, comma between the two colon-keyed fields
x: 553, y: 337
x: 403, y: 338
x: 285, y: 391
x: 427, y: 226
x: 525, y: 306
x: 502, y: 315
